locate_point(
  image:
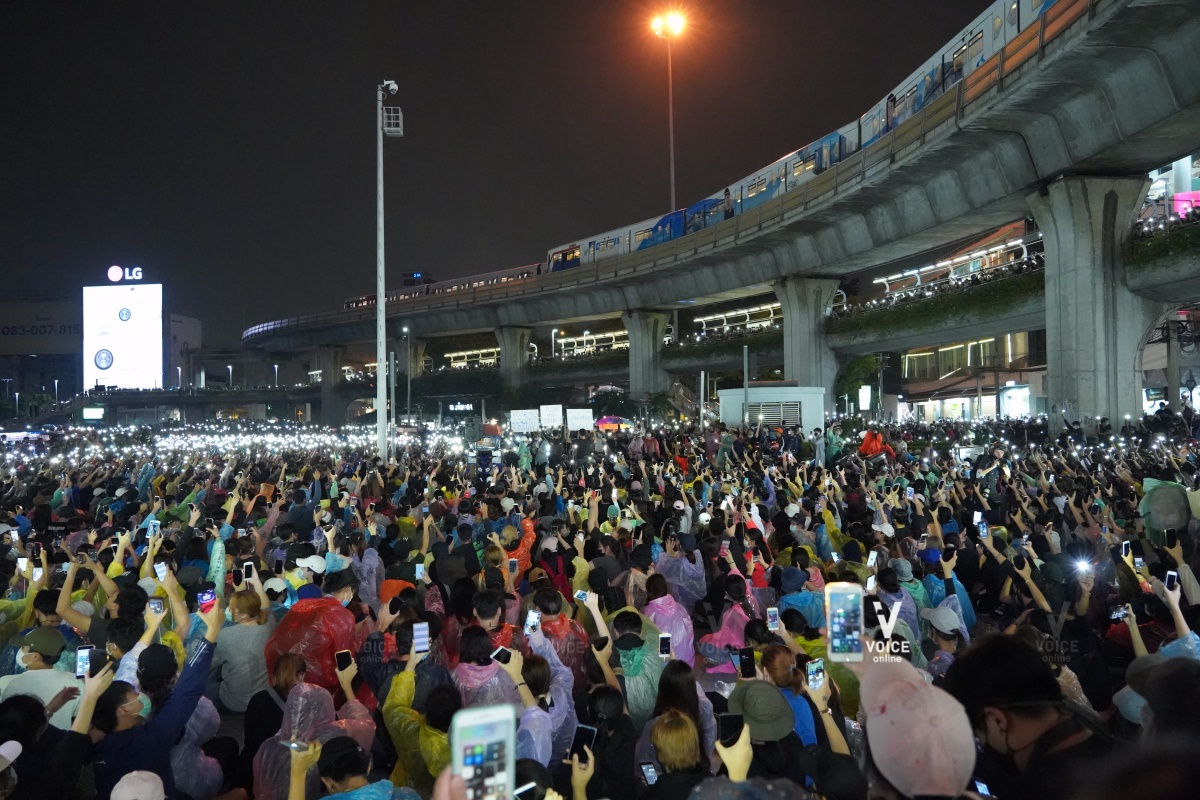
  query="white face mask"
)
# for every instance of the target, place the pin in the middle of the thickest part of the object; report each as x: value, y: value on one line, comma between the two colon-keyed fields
x: 19, y: 662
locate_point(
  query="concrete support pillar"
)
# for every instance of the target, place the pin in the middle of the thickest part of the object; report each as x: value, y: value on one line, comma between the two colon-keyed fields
x: 646, y: 331
x: 514, y: 355
x: 329, y: 361
x: 418, y: 356
x: 1094, y: 325
x: 806, y: 357
x: 1173, y: 387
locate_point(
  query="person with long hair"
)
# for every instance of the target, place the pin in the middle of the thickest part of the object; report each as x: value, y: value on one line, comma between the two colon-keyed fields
x: 786, y: 671
x: 679, y: 692
x: 736, y: 612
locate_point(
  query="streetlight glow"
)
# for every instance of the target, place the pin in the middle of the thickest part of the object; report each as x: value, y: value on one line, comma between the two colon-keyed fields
x: 668, y: 24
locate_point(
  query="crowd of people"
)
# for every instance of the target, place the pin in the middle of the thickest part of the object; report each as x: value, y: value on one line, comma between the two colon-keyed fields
x: 282, y: 614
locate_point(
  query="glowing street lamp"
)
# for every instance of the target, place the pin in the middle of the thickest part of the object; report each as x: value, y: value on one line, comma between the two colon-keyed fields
x: 670, y: 26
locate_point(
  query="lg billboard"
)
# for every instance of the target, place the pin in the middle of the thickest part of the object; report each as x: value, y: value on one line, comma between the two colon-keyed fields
x: 123, y: 335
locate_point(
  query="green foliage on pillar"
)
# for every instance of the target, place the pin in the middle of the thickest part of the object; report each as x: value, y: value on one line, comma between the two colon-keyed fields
x: 1182, y: 240
x: 986, y: 299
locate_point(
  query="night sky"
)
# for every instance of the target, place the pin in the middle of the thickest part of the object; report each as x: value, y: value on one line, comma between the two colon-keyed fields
x: 229, y: 148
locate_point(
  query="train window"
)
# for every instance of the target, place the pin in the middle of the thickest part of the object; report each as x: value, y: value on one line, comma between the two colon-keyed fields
x: 960, y: 58
x: 642, y: 235
x: 801, y: 167
x: 756, y: 187
x: 975, y: 48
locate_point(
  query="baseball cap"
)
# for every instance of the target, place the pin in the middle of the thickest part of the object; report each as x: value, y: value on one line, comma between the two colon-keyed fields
x: 687, y: 542
x: 764, y: 709
x: 277, y: 585
x: 157, y: 660
x: 704, y: 518
x: 897, y: 701
x: 315, y: 563
x: 678, y: 505
x: 507, y: 504
x: 903, y: 568
x: 885, y: 528
x: 45, y: 641
x: 791, y: 509
x: 537, y: 574
x: 942, y: 618
x: 793, y: 579
x: 139, y: 785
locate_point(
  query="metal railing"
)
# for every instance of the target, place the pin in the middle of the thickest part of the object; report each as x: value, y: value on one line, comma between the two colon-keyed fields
x: 851, y: 171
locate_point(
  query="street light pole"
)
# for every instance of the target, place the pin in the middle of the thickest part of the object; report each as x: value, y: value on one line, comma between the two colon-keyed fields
x: 408, y: 374
x: 380, y: 288
x: 392, y: 126
x: 671, y: 119
x: 230, y: 368
x: 276, y: 375
x: 56, y: 391
x: 553, y: 333
x: 667, y: 27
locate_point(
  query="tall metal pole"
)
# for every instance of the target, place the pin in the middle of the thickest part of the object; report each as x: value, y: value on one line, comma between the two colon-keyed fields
x: 391, y: 401
x: 380, y: 289
x: 746, y: 385
x: 700, y: 400
x: 671, y: 118
x: 408, y: 375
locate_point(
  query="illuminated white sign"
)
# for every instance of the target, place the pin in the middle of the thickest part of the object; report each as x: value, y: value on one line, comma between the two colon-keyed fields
x: 462, y: 406
x: 93, y: 413
x: 123, y: 336
x: 117, y: 274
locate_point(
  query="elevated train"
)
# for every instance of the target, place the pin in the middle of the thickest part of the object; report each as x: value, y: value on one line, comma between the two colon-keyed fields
x: 975, y: 45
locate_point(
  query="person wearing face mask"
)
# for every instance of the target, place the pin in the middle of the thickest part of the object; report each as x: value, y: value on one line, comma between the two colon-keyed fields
x: 1032, y: 743
x: 131, y: 742
x: 239, y: 656
x: 37, y: 651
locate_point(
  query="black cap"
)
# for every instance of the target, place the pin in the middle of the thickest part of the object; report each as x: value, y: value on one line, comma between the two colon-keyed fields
x: 157, y: 660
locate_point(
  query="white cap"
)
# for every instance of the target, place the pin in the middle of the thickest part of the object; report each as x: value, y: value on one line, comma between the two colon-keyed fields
x: 275, y: 585
x: 84, y: 607
x: 678, y: 505
x: 942, y: 617
x: 507, y: 504
x: 139, y: 785
x: 121, y: 492
x: 791, y: 509
x: 704, y: 518
x: 315, y: 563
x: 885, y: 528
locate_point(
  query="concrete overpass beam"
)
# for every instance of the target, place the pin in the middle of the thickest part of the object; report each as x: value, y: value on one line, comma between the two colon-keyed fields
x: 514, y: 355
x: 1094, y: 324
x: 646, y: 373
x: 329, y: 361
x: 807, y: 357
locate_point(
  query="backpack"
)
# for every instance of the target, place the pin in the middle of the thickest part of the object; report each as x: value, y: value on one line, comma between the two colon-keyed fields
x: 558, y: 577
